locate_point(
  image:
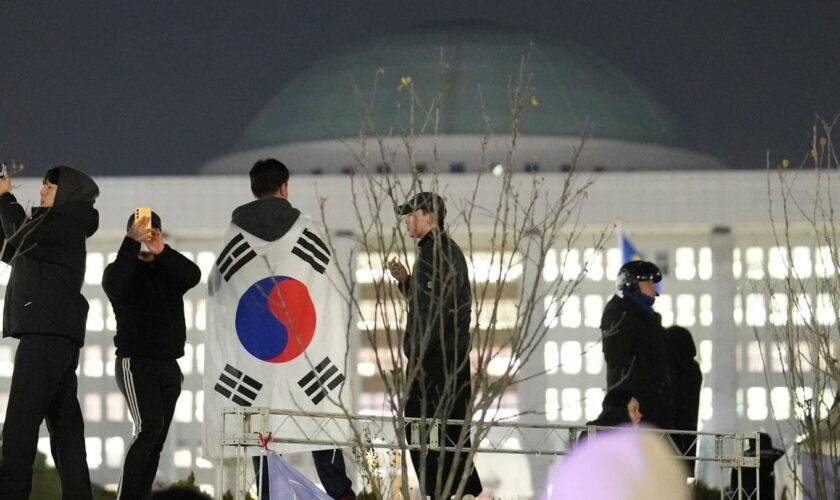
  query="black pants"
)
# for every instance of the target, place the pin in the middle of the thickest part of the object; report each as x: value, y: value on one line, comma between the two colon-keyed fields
x: 44, y: 387
x: 329, y: 465
x: 151, y: 389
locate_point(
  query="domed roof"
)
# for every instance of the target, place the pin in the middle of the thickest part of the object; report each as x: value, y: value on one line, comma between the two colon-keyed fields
x: 469, y: 71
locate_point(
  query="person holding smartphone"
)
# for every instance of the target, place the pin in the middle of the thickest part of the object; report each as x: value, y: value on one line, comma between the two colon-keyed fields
x: 46, y: 311
x: 146, y: 288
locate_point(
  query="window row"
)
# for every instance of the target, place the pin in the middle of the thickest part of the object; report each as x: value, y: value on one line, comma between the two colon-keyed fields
x: 781, y: 262
x: 756, y: 309
x: 572, y: 357
x: 482, y: 266
x: 758, y: 357
x: 575, y: 406
x: 572, y: 311
x: 597, y: 264
x: 781, y: 402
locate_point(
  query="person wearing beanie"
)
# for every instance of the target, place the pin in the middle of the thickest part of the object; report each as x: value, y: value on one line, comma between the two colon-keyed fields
x: 634, y: 342
x: 46, y: 311
x: 146, y: 289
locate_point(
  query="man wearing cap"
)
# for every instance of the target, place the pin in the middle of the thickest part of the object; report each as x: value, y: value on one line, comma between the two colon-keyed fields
x: 634, y: 342
x: 46, y: 311
x: 437, y: 337
x: 146, y: 288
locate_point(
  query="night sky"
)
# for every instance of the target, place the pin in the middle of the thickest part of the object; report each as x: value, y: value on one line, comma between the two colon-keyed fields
x: 126, y: 88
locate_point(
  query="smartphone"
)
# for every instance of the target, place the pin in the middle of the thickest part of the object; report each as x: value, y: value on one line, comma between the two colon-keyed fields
x: 146, y: 212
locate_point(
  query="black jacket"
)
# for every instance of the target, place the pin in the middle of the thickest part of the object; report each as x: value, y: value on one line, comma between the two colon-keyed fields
x: 148, y: 301
x: 686, y: 383
x: 637, y: 360
x: 266, y: 218
x: 47, y: 253
x: 437, y: 331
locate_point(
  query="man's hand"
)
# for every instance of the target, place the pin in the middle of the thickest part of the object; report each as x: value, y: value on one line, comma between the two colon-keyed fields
x: 398, y: 271
x: 6, y: 183
x: 155, y: 242
x: 139, y: 231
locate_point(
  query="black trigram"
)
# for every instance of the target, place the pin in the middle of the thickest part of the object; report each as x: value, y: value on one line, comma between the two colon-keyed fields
x: 238, y: 387
x: 236, y: 254
x: 310, y: 248
x: 325, y: 377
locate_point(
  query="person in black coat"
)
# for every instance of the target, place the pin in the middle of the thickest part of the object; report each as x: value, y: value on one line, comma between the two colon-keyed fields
x: 766, y: 470
x: 686, y: 381
x: 634, y: 342
x: 437, y: 337
x: 146, y: 289
x: 46, y: 311
x: 619, y: 407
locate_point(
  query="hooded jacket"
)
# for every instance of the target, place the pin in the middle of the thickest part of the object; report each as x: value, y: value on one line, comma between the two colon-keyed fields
x: 47, y: 254
x: 266, y: 218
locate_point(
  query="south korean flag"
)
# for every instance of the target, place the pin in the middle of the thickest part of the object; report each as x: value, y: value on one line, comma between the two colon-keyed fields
x: 276, y: 331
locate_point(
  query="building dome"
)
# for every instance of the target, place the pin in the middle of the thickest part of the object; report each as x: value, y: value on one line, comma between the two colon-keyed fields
x: 469, y: 71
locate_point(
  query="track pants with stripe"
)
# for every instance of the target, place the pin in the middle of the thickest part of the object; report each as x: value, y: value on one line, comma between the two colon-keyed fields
x: 44, y: 387
x: 151, y: 389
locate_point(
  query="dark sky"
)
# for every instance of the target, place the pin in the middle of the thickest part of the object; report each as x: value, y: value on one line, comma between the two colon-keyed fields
x: 120, y: 88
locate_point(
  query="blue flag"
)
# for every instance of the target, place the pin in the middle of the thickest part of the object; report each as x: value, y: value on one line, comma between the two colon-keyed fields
x: 286, y: 483
x: 630, y: 252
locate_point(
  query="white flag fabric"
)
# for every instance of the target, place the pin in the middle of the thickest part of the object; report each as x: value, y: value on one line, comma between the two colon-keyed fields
x: 276, y: 330
x: 286, y: 483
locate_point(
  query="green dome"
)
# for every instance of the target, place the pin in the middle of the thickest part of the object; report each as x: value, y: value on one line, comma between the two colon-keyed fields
x: 468, y: 70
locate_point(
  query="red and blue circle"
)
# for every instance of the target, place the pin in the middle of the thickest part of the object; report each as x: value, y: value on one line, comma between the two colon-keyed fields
x: 275, y: 319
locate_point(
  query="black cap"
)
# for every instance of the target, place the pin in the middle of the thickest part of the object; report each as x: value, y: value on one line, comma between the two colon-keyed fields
x: 155, y: 222
x: 631, y: 273
x: 426, y: 201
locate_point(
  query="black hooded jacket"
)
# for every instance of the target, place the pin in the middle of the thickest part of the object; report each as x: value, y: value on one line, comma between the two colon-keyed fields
x: 266, y: 218
x: 47, y: 253
x: 148, y: 301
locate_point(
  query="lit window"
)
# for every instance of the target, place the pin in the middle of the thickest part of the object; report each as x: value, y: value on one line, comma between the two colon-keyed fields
x: 552, y: 404
x: 823, y: 263
x: 705, y: 355
x: 199, y: 359
x: 201, y: 315
x: 594, y: 261
x: 199, y: 406
x: 593, y: 308
x: 778, y: 309
x: 593, y: 358
x: 706, y: 407
x: 826, y: 314
x: 803, y: 402
x: 804, y: 358
x: 706, y: 315
x: 493, y: 266
x: 739, y: 402
x: 551, y: 356
x: 572, y: 410
x: 570, y: 316
x: 613, y: 263
x: 571, y: 357
x: 183, y: 408
x: 92, y: 407
x: 755, y: 263
x: 802, y: 309
x: 203, y: 463
x: 685, y: 269
x: 500, y: 365
x: 802, y: 265
x: 205, y: 262
x: 366, y: 368
x: 550, y: 269
x: 115, y: 407
x: 756, y: 313
x: 4, y: 405
x: 738, y: 311
x: 778, y: 262
x: 704, y: 263
x: 207, y: 489
x: 550, y: 304
x: 93, y: 446
x: 779, y: 358
x: 737, y: 266
x: 7, y: 363
x: 182, y: 458
x: 570, y: 267
x: 95, y: 316
x: 111, y: 319
x: 756, y: 403
x: 594, y: 397
x: 94, y: 265
x: 188, y: 314
x: 780, y: 402
x: 186, y: 361
x: 755, y: 363
x: 5, y: 271
x: 114, y: 451
x: 112, y: 256
x: 664, y: 305
x: 92, y: 361
x: 685, y: 310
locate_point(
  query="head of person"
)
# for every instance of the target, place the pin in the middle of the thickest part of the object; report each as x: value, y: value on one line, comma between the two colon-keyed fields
x: 424, y: 212
x: 620, y: 407
x: 76, y: 186
x: 639, y: 276
x: 269, y: 179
